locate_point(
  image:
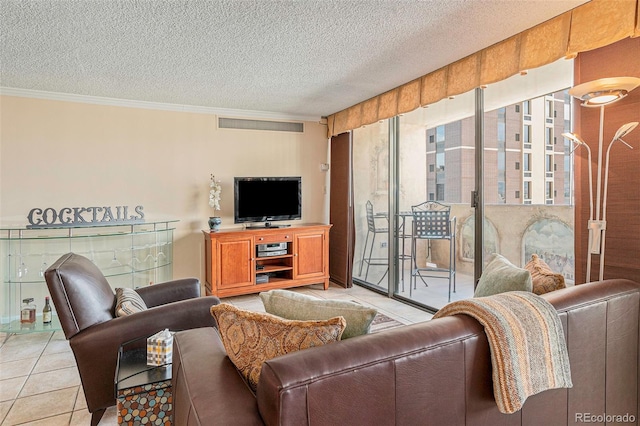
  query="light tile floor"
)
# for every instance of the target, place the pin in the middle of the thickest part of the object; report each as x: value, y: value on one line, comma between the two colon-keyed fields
x: 40, y: 384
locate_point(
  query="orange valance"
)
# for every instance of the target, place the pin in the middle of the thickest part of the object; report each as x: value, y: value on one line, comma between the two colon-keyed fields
x: 590, y: 26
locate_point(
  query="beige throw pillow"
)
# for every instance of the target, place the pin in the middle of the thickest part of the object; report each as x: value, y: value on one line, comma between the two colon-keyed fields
x: 544, y: 279
x: 128, y: 302
x: 251, y: 338
x: 500, y: 276
x: 296, y: 306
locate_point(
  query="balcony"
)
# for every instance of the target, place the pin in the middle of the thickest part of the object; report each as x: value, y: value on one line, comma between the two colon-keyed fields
x: 514, y: 231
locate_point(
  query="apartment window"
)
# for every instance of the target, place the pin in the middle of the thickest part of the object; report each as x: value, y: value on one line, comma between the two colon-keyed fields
x: 432, y: 138
x: 527, y: 133
x: 440, y: 160
x: 440, y: 148
x: 555, y: 167
x: 527, y: 190
x: 549, y: 190
x: 440, y: 192
x: 440, y: 134
x: 431, y: 168
x: 549, y: 163
x: 548, y: 109
x: 431, y: 196
x: 517, y: 194
x: 502, y: 126
x: 527, y: 162
x: 548, y: 135
x: 517, y: 108
x: 526, y: 107
x: 517, y: 137
x: 517, y: 165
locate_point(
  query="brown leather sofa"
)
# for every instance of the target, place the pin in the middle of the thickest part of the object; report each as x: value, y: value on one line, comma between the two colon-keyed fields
x: 85, y: 304
x: 432, y: 373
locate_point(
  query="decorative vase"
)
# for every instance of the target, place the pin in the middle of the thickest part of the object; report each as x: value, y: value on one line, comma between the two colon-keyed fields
x: 214, y: 223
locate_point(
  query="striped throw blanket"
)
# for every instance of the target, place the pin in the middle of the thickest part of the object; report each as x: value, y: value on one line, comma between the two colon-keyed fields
x: 528, y: 350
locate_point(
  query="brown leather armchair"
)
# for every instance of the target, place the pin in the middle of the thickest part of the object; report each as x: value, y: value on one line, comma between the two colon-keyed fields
x: 85, y: 304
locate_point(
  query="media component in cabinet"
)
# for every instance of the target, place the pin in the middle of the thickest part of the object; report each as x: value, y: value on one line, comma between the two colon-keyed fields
x: 271, y: 249
x: 274, y: 261
x: 132, y: 255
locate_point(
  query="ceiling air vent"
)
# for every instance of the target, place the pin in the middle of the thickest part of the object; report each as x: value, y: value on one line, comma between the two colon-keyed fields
x: 278, y: 126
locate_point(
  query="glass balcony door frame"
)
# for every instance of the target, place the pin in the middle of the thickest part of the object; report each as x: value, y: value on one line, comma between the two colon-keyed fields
x: 481, y: 99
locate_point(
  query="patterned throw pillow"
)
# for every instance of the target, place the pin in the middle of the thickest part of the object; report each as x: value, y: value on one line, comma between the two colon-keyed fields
x: 544, y: 279
x: 251, y: 338
x: 500, y: 276
x: 296, y: 306
x: 128, y: 302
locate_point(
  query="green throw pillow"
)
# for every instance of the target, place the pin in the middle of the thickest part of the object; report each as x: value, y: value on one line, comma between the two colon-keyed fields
x: 296, y: 306
x: 500, y: 276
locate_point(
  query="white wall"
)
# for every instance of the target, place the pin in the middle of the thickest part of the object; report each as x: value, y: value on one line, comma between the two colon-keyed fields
x: 69, y: 154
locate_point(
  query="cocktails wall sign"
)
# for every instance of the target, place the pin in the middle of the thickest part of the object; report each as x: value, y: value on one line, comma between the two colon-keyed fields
x: 67, y: 217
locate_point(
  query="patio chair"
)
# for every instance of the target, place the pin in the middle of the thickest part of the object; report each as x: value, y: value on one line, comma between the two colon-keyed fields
x: 373, y: 229
x: 432, y: 221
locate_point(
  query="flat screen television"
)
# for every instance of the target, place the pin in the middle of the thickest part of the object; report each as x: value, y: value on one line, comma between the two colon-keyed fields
x: 267, y: 199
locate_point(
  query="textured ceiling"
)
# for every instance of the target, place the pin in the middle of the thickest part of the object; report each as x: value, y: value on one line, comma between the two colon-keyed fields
x: 300, y: 58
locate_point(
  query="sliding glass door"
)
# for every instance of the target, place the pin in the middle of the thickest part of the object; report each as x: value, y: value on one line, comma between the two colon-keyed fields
x: 421, y: 167
x: 371, y: 205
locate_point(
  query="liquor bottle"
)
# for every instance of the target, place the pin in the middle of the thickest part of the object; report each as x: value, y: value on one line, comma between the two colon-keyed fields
x: 28, y: 311
x: 46, y: 311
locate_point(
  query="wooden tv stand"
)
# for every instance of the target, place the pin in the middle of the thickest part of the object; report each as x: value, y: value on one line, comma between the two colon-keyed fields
x: 235, y: 265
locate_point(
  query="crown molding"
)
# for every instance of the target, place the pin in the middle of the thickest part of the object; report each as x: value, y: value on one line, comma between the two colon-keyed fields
x: 97, y: 100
